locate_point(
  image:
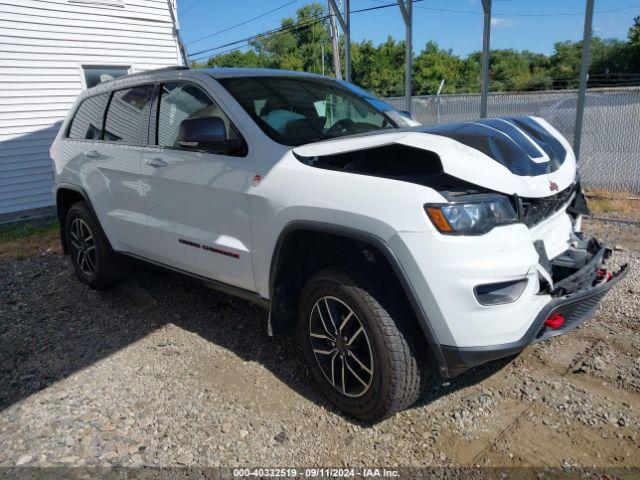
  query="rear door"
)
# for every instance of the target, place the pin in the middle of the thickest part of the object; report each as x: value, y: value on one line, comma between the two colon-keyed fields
x: 104, y: 144
x: 117, y: 164
x: 198, y: 215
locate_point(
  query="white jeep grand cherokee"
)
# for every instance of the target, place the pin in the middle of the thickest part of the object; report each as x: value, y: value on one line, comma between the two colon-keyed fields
x: 383, y: 241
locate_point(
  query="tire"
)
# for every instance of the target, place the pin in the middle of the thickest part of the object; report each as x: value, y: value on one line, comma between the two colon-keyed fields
x: 396, y: 373
x: 93, y: 260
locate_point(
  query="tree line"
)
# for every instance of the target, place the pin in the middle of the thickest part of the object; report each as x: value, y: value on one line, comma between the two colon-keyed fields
x: 303, y: 44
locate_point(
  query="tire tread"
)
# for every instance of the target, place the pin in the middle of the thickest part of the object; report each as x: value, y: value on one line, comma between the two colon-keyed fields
x: 394, y: 328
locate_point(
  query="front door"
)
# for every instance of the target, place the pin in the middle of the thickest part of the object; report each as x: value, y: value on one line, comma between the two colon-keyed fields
x: 198, y: 215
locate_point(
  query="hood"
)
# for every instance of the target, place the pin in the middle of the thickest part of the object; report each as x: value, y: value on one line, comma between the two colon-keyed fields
x: 522, y: 155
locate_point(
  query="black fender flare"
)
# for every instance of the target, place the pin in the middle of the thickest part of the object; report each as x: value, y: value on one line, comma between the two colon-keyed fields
x: 385, y: 249
x: 87, y: 200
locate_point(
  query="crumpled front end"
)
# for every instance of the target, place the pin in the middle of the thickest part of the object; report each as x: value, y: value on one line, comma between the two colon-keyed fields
x: 580, y: 280
x: 500, y: 262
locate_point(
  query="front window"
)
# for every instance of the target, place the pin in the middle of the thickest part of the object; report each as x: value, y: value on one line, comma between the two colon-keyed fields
x: 180, y: 101
x: 294, y: 111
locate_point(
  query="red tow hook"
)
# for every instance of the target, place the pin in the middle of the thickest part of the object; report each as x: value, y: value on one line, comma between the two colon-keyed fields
x: 602, y: 274
x: 555, y: 321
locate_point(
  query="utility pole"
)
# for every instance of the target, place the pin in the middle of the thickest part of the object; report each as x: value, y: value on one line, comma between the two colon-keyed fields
x: 345, y: 23
x: 347, y: 40
x: 335, y: 43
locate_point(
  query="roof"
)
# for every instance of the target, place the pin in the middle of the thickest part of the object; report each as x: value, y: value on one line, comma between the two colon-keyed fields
x: 255, y: 72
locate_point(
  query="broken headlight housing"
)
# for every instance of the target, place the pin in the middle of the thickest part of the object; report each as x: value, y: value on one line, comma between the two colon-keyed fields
x: 472, y: 214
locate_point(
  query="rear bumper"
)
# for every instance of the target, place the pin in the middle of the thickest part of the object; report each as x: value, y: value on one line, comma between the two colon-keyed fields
x: 576, y: 307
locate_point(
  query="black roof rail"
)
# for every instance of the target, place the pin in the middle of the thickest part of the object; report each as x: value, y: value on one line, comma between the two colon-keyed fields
x: 147, y: 72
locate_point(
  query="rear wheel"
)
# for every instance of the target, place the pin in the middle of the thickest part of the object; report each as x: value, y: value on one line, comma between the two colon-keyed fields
x: 357, y: 344
x: 93, y: 260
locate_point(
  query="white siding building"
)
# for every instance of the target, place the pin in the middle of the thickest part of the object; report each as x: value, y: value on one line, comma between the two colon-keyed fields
x: 50, y: 50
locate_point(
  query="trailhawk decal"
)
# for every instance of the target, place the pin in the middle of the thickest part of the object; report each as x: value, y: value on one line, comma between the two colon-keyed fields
x: 219, y: 251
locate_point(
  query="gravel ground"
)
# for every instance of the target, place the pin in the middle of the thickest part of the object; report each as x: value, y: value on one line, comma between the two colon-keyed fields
x: 160, y: 372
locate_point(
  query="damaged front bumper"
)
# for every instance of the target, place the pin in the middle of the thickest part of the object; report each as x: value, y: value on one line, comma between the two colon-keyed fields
x: 578, y: 281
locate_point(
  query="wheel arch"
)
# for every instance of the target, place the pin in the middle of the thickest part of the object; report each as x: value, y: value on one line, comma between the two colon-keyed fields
x: 280, y: 317
x: 66, y: 194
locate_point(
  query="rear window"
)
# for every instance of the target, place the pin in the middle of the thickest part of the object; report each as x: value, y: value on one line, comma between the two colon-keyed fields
x: 128, y: 115
x: 87, y: 122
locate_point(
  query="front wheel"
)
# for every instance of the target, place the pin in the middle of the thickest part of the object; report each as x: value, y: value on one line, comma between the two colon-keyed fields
x: 358, y: 344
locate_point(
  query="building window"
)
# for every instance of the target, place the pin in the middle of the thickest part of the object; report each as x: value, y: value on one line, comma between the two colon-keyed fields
x: 93, y: 75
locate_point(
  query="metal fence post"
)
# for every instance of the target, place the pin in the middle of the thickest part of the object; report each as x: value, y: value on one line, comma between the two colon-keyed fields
x: 406, y: 9
x: 486, y: 42
x: 584, y: 74
x: 438, y: 101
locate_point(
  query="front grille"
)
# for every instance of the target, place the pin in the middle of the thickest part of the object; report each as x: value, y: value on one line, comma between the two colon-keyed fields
x: 535, y: 210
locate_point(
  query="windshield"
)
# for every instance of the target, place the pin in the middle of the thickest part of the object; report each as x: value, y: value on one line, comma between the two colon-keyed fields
x: 296, y: 110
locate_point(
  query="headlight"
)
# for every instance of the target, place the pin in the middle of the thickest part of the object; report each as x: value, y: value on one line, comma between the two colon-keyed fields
x: 472, y: 215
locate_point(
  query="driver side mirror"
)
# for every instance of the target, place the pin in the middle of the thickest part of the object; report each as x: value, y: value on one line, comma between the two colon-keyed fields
x: 208, y: 134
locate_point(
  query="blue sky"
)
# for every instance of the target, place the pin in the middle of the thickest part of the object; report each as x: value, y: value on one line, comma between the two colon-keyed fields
x: 520, y: 24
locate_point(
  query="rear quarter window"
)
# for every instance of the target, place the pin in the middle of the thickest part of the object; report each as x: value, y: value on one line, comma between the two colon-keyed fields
x: 87, y: 121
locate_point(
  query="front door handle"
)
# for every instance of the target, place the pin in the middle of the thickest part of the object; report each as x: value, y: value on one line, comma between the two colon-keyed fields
x: 91, y: 153
x: 155, y: 162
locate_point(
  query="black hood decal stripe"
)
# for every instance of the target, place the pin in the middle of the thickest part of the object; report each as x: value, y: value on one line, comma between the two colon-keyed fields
x: 514, y: 133
x: 503, y: 141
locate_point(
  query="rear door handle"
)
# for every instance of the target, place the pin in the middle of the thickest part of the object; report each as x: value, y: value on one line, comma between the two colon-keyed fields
x: 155, y: 162
x: 91, y: 153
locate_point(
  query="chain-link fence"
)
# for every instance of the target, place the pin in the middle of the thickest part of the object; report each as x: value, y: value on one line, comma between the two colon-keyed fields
x: 610, y: 153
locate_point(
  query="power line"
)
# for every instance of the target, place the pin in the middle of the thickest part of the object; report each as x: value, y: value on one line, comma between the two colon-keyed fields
x: 497, y: 14
x: 241, y: 23
x: 309, y: 23
x: 610, y: 10
x: 506, y: 14
x: 291, y: 27
x: 190, y: 7
x: 270, y: 34
x: 262, y: 34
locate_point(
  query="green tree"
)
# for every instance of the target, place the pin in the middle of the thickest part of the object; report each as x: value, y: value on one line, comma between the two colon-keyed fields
x: 431, y: 66
x: 303, y: 44
x: 379, y: 69
x: 633, y: 48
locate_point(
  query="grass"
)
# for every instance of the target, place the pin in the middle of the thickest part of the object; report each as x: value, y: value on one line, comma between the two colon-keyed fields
x: 20, y: 240
x: 623, y: 205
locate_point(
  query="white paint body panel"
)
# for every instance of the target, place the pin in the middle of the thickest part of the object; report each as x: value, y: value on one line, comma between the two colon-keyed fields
x: 211, y: 199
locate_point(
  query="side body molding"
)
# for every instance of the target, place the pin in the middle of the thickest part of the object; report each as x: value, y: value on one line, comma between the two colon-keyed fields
x: 383, y: 247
